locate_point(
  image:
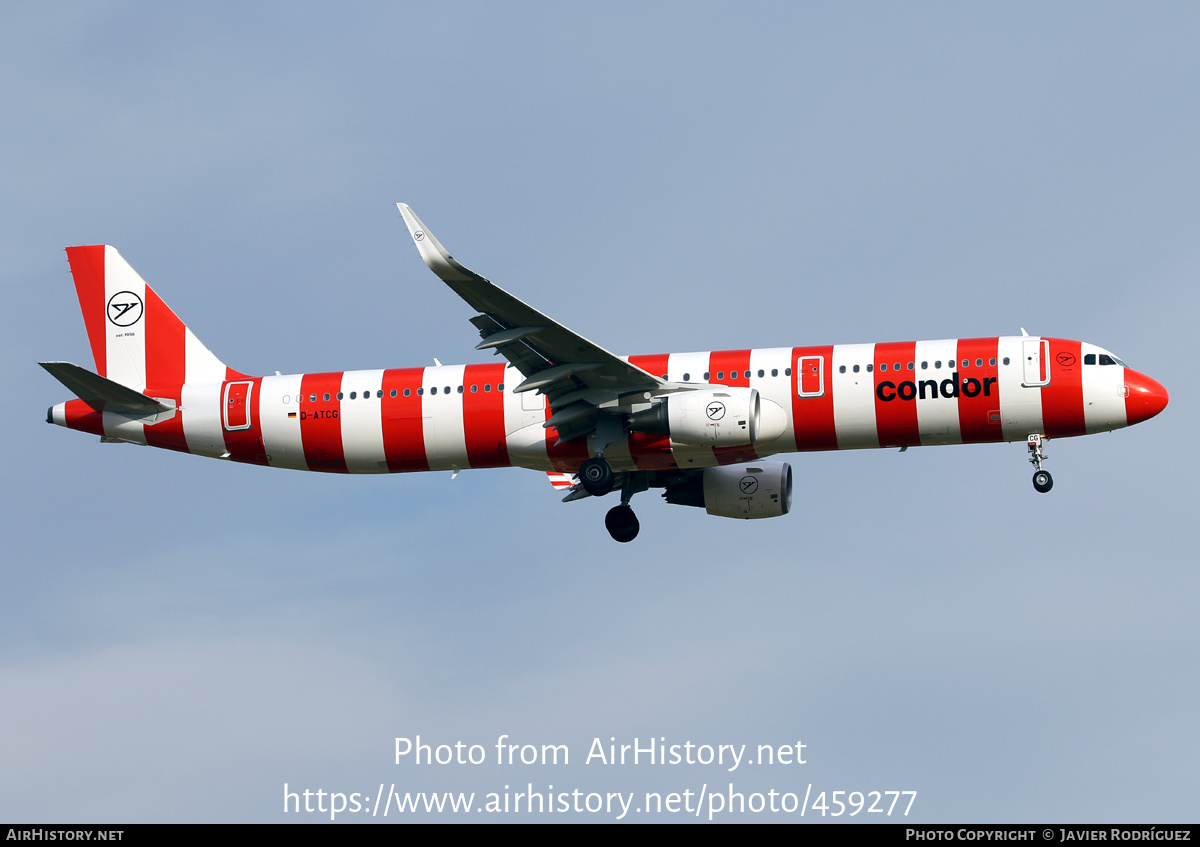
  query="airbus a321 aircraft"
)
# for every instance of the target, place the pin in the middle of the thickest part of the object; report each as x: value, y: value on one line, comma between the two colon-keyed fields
x: 697, y: 425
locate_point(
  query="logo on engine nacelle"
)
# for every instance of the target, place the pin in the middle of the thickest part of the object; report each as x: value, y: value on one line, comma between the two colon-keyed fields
x: 749, y: 484
x: 715, y: 410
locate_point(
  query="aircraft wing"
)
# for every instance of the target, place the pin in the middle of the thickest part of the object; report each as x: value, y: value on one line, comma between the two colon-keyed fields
x: 571, y: 371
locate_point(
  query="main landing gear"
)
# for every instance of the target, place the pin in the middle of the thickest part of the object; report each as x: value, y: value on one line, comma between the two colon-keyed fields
x: 597, y: 477
x: 621, y: 523
x: 1042, y: 481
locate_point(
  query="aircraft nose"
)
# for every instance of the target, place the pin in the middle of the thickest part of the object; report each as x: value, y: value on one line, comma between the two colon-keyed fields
x: 1144, y: 397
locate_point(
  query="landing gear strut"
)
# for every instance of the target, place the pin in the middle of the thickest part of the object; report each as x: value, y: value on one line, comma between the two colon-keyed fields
x: 1042, y: 481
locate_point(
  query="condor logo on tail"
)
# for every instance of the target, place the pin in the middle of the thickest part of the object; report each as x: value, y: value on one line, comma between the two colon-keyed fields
x: 931, y: 388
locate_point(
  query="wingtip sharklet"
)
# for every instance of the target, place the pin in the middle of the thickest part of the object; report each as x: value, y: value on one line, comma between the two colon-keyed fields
x: 431, y: 250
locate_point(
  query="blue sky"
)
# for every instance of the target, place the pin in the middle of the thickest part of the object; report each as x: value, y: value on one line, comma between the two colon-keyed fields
x: 180, y: 637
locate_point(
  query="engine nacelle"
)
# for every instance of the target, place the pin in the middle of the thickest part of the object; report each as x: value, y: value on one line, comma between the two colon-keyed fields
x: 757, y: 490
x: 719, y: 417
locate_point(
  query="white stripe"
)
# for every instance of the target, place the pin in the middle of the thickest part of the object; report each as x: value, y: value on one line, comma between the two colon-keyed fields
x: 693, y: 365
x: 201, y: 410
x: 442, y: 415
x: 777, y: 389
x: 1103, y: 393
x: 125, y: 343
x: 526, y: 444
x: 1020, y: 407
x: 937, y: 416
x: 200, y: 365
x: 119, y: 426
x: 281, y: 434
x: 362, y: 422
x: 854, y: 397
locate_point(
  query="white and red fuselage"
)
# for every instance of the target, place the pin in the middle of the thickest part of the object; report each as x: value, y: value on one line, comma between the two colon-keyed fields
x: 391, y: 420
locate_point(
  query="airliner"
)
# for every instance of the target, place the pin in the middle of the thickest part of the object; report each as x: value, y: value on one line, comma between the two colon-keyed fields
x: 699, y: 426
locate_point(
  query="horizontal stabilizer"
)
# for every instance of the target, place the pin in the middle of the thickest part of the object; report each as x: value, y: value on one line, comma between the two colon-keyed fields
x: 103, y: 394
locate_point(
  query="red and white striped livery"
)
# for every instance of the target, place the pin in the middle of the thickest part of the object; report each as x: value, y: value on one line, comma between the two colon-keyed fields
x: 697, y: 425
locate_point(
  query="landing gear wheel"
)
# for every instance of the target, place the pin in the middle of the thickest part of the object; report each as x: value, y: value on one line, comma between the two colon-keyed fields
x: 596, y: 476
x: 1042, y: 481
x: 621, y: 523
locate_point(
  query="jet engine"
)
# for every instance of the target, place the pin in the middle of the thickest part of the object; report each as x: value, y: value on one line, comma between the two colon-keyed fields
x: 758, y: 490
x: 717, y: 417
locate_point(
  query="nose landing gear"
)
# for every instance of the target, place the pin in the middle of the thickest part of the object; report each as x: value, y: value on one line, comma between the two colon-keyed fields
x: 1042, y: 481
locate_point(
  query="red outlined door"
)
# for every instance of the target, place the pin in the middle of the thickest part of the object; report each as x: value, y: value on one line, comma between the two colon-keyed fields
x: 1037, y: 362
x: 235, y: 405
x: 812, y: 376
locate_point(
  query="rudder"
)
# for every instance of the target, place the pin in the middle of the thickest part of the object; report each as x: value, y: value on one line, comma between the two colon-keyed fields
x: 136, y: 339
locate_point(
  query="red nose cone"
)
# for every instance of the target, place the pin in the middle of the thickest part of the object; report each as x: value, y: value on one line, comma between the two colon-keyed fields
x: 1144, y: 399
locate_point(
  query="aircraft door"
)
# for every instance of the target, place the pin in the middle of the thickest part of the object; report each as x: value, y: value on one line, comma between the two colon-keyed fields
x: 1036, y: 355
x: 236, y: 405
x: 811, y: 379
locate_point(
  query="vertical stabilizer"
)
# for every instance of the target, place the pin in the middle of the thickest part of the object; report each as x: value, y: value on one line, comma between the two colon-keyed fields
x: 136, y: 339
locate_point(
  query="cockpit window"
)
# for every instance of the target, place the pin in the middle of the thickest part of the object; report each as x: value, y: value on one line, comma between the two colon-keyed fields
x: 1106, y: 359
x: 1089, y: 359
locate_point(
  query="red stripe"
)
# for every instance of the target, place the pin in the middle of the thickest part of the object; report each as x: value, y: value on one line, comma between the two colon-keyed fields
x: 655, y: 365
x: 483, y: 416
x: 246, y: 445
x: 320, y: 424
x: 651, y: 452
x: 164, y: 345
x: 403, y: 429
x: 87, y: 269
x: 567, y: 457
x: 165, y: 370
x: 733, y: 363
x: 83, y: 417
x: 168, y: 433
x: 895, y: 419
x: 978, y: 416
x: 812, y: 417
x: 1062, y: 399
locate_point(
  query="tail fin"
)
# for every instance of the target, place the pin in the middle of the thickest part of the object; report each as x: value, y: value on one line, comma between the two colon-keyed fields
x: 136, y: 339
